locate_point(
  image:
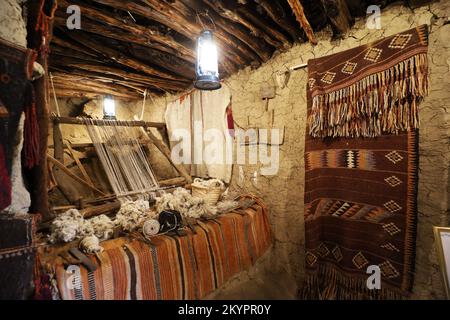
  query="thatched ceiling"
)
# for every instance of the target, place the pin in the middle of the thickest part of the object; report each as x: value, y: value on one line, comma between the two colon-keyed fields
x: 125, y: 47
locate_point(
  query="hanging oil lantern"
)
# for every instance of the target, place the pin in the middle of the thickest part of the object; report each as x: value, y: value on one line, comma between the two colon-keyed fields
x: 206, y: 69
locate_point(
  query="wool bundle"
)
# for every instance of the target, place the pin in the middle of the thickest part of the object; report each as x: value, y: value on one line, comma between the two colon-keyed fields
x: 183, y: 202
x: 103, y: 227
x: 90, y: 244
x: 227, y: 205
x: 71, y: 225
x: 133, y: 214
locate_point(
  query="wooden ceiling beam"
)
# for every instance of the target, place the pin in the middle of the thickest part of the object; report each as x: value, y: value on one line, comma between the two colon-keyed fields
x: 156, y: 57
x: 232, y: 23
x: 339, y: 15
x: 260, y: 23
x: 149, y: 36
x: 86, y: 93
x: 85, y: 85
x: 187, y: 27
x: 225, y: 32
x: 108, y: 71
x: 117, y: 56
x: 276, y: 12
x: 299, y: 13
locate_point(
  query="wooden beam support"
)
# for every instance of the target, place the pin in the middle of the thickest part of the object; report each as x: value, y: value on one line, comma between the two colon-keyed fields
x: 72, y: 175
x: 339, y: 15
x: 166, y: 152
x: 185, y: 26
x: 98, y: 122
x: 227, y: 26
x: 297, y: 8
x: 276, y: 12
x: 156, y: 57
x: 110, y: 74
x: 110, y: 53
x: 264, y: 25
x: 151, y: 36
x: 94, y: 86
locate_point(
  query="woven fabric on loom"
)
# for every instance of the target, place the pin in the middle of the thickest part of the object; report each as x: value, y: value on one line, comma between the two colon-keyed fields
x: 369, y: 90
x: 188, y: 267
x: 360, y: 193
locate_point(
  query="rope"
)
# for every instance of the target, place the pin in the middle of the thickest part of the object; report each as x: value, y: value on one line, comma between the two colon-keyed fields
x: 54, y: 95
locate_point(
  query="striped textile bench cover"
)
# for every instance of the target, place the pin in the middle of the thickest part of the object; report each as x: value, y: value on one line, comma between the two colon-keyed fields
x: 172, y: 267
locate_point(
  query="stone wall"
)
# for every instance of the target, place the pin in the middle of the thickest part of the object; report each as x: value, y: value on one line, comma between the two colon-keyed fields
x: 284, y: 191
x: 12, y: 25
x: 125, y: 110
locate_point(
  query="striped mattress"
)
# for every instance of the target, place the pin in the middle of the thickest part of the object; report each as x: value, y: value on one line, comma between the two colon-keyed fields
x: 171, y: 267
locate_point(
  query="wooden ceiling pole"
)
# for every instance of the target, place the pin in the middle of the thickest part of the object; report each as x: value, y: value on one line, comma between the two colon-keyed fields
x: 119, y: 57
x: 297, y: 8
x: 73, y: 46
x: 226, y: 21
x: 189, y: 13
x: 276, y: 12
x: 96, y: 70
x: 279, y: 39
x: 339, y: 15
x: 177, y: 23
x: 152, y: 36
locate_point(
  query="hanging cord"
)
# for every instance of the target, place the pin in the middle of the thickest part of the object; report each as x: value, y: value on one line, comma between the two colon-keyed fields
x: 210, y: 19
x: 54, y: 95
x: 143, y: 105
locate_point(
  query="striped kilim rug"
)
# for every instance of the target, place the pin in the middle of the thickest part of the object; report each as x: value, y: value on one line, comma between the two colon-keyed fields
x: 361, y: 162
x: 188, y: 267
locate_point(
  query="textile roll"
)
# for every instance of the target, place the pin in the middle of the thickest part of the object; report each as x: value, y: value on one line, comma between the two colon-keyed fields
x: 369, y: 90
x: 361, y: 164
x: 171, y: 267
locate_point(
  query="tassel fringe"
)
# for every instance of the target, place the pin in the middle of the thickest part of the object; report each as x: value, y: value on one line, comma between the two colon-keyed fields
x: 384, y: 102
x: 328, y: 283
x: 31, y: 132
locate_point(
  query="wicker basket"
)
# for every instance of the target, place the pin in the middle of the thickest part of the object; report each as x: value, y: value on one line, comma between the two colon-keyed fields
x: 210, y: 195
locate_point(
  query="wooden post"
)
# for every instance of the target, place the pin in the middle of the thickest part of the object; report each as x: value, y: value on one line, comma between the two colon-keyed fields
x: 39, y: 41
x: 166, y: 152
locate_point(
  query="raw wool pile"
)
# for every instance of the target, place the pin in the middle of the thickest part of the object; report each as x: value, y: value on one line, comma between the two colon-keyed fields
x: 133, y: 214
x: 183, y: 202
x: 71, y: 225
x: 103, y: 227
x: 211, y: 183
x: 90, y: 244
x: 225, y: 206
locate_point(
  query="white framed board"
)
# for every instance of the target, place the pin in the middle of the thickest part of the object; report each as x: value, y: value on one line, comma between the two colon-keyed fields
x: 442, y: 237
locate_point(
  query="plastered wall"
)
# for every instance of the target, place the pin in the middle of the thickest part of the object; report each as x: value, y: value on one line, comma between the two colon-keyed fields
x: 284, y: 191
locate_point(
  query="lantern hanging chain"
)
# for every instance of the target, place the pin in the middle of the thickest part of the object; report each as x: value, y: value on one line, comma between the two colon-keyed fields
x: 209, y: 17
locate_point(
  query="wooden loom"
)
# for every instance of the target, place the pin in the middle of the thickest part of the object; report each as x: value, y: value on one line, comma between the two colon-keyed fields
x: 61, y: 175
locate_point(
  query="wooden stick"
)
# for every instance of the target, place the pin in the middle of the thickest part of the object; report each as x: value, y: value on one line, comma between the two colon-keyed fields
x: 166, y: 152
x: 107, y: 208
x: 97, y: 122
x: 73, y: 176
x: 79, y: 164
x: 297, y: 8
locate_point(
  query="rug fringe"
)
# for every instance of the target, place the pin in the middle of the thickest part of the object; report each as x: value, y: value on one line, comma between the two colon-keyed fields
x: 328, y: 283
x: 384, y: 102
